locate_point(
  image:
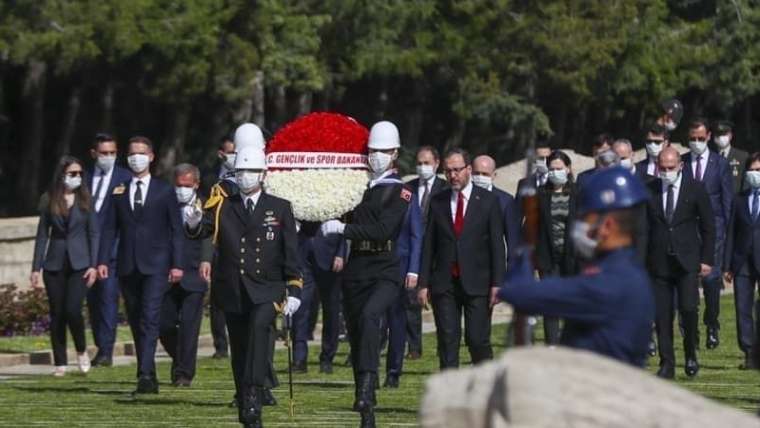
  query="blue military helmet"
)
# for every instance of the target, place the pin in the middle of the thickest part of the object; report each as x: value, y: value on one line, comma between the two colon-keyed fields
x: 611, y: 189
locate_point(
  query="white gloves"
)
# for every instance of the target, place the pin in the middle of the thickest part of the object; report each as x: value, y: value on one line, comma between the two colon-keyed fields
x: 291, y: 306
x: 192, y: 216
x: 332, y: 226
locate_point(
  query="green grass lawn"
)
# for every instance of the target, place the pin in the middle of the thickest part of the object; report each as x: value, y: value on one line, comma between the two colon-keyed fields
x: 102, y: 398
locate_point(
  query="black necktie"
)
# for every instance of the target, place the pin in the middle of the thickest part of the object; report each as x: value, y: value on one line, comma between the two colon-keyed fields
x: 138, y: 204
x: 425, y: 202
x: 98, y: 188
x: 755, y: 205
x: 249, y: 206
x: 670, y: 204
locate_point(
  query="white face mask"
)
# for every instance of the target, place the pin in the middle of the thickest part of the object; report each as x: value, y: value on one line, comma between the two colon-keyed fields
x: 584, y: 245
x: 669, y: 177
x: 72, y: 183
x: 626, y: 163
x: 670, y: 125
x: 105, y: 163
x: 138, y: 162
x: 722, y: 141
x: 558, y: 177
x: 229, y: 160
x: 425, y: 171
x: 541, y: 167
x: 184, y: 194
x: 482, y: 181
x: 753, y: 179
x: 379, y: 162
x: 248, y: 181
x: 654, y: 149
x: 697, y: 147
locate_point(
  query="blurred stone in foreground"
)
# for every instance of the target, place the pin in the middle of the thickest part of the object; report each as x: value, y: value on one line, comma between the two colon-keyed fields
x: 555, y: 388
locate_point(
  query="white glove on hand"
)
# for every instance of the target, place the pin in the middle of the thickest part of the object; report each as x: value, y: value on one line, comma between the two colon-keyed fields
x: 291, y: 306
x: 332, y: 226
x: 192, y: 216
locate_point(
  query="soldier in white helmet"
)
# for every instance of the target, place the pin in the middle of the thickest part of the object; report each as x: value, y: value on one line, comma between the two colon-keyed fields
x: 257, y: 271
x: 371, y: 281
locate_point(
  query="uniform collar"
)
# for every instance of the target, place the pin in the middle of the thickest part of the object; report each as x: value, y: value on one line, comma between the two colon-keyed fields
x: 386, y: 178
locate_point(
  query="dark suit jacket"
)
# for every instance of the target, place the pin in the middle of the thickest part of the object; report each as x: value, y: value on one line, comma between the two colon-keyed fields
x: 545, y: 257
x: 719, y: 186
x: 76, y: 236
x: 479, y: 250
x: 583, y: 177
x: 149, y: 243
x: 409, y: 242
x: 691, y: 234
x: 512, y: 216
x: 257, y: 253
x: 439, y: 185
x: 316, y: 247
x: 736, y: 161
x: 641, y: 170
x: 118, y: 176
x: 743, y: 238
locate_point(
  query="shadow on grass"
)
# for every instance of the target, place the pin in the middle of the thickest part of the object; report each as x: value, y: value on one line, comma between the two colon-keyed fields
x: 63, y: 389
x: 324, y: 384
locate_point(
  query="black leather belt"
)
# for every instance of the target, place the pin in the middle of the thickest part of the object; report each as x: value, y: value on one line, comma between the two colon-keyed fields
x: 372, y: 246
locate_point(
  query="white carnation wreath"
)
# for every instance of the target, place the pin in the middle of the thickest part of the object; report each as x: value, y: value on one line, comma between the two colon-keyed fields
x: 319, y: 194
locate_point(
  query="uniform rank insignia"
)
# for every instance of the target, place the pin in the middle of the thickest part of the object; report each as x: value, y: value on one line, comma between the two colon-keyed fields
x: 270, y: 235
x: 118, y: 190
x: 270, y: 221
x: 406, y: 195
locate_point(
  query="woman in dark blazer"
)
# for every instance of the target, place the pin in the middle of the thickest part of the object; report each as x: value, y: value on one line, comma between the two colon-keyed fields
x: 555, y: 254
x: 65, y: 252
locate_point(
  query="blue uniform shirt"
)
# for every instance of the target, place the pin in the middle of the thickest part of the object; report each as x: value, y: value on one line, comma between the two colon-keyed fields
x: 608, y: 310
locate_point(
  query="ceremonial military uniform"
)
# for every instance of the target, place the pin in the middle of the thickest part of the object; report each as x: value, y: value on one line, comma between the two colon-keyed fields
x: 257, y: 250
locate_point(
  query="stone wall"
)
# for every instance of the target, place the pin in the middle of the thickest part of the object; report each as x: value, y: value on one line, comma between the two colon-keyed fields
x: 16, y: 249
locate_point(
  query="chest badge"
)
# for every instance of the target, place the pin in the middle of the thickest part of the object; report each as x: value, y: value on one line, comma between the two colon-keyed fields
x: 118, y: 190
x: 270, y: 235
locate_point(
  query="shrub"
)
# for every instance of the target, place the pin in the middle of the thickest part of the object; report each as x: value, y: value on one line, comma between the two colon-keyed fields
x: 23, y: 312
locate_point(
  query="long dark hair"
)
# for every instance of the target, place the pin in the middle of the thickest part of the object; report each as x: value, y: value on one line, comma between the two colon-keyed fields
x: 57, y: 203
x: 559, y: 154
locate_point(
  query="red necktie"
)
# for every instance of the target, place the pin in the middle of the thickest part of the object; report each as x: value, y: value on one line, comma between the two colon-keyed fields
x: 458, y: 226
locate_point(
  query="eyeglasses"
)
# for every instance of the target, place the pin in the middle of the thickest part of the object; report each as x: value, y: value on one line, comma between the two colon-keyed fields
x: 74, y: 173
x: 450, y: 171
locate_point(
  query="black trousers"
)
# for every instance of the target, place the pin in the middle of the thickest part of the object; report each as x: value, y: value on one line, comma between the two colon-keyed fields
x: 448, y: 307
x: 364, y: 304
x: 251, y: 339
x: 66, y: 290
x: 181, y: 316
x: 686, y: 285
x: 413, y: 322
x: 747, y: 320
x: 218, y: 328
x: 143, y: 298
x: 552, y: 329
x: 318, y: 285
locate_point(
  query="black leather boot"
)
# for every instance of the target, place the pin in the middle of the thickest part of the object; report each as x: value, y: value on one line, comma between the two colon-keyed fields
x: 249, y: 408
x: 365, y: 391
x: 690, y: 338
x: 368, y: 418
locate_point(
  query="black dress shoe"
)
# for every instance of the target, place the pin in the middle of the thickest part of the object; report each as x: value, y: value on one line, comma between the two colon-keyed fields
x: 147, y: 385
x: 267, y: 398
x: 300, y: 367
x: 219, y: 355
x: 666, y: 372
x: 691, y: 368
x: 182, y: 381
x: 325, y: 367
x: 713, y: 338
x: 750, y: 363
x: 102, y: 361
x: 391, y: 381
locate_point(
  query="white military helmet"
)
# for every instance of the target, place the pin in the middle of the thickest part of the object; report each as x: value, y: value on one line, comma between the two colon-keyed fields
x: 248, y: 135
x: 384, y: 136
x: 250, y: 158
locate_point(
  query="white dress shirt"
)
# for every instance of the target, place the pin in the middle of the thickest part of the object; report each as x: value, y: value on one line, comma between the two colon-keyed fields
x: 144, y: 188
x: 651, y: 167
x: 703, y: 162
x: 466, y: 192
x: 106, y: 178
x: 421, y: 188
x: 253, y: 197
x: 676, y: 190
x: 725, y: 152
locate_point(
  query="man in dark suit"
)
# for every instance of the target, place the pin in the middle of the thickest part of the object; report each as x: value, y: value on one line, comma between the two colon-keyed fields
x: 712, y: 170
x: 483, y: 173
x: 257, y: 273
x: 322, y: 259
x: 103, y: 297
x: 539, y: 177
x: 462, y: 262
x: 146, y: 217
x: 723, y: 137
x: 742, y: 261
x: 603, y: 157
x: 655, y: 140
x: 425, y: 186
x: 182, y: 310
x: 681, y: 250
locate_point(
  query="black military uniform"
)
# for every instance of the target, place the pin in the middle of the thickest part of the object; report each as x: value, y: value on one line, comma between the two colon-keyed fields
x: 371, y: 277
x: 257, y: 258
x: 736, y: 158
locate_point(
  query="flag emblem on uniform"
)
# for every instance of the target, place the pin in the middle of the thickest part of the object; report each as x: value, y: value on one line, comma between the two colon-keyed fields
x: 406, y: 195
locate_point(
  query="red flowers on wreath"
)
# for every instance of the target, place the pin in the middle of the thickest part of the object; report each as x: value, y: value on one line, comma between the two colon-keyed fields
x: 321, y: 132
